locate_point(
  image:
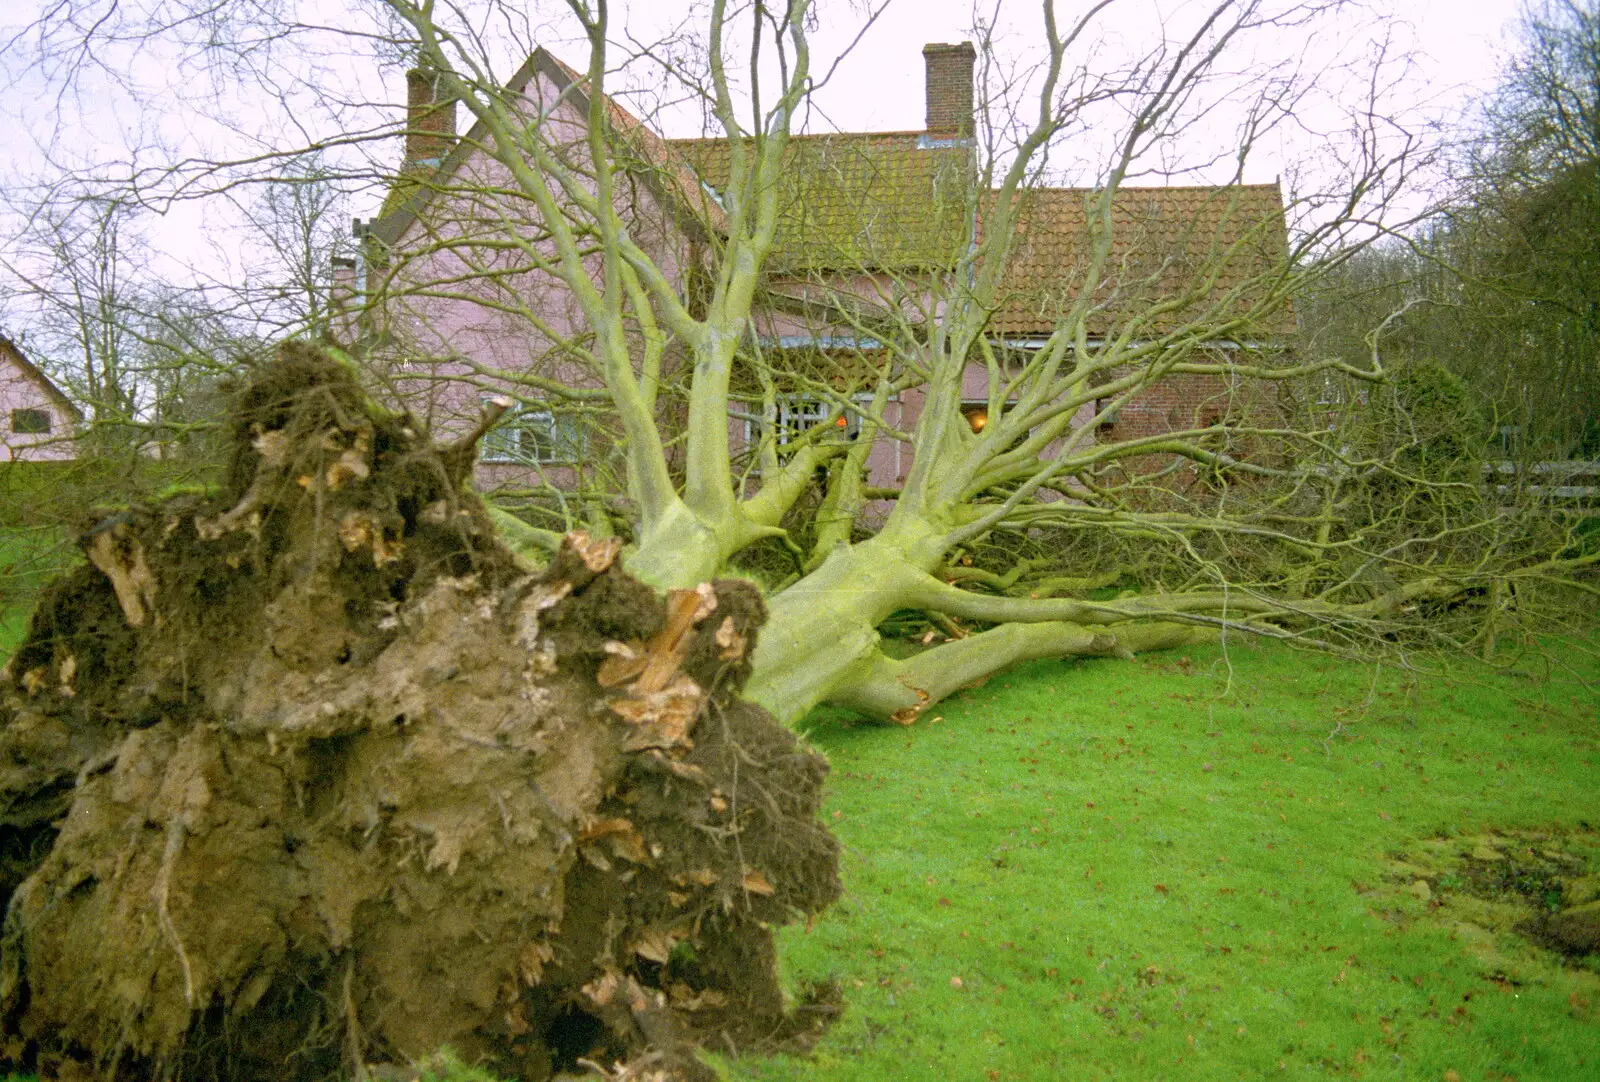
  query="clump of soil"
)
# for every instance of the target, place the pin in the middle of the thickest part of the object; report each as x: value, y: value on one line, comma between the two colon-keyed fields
x: 1536, y: 887
x: 311, y: 774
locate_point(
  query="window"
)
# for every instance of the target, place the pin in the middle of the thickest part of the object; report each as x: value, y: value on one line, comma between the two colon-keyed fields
x: 30, y: 422
x: 1328, y: 392
x: 535, y: 436
x: 799, y: 414
x: 975, y: 411
x: 1106, y: 432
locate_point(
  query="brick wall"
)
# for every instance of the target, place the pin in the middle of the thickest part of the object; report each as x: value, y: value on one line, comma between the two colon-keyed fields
x: 1175, y: 403
x: 949, y: 92
x: 430, y: 123
x: 1188, y: 401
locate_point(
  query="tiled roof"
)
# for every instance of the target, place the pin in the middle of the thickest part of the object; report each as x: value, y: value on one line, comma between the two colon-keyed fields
x: 898, y: 201
x: 886, y: 201
x: 1162, y: 239
x: 858, y: 201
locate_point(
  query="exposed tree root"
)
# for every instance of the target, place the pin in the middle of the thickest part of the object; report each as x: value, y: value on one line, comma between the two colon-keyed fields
x: 315, y: 774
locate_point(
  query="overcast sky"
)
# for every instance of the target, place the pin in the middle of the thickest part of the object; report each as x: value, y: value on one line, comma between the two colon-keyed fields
x: 1458, y: 46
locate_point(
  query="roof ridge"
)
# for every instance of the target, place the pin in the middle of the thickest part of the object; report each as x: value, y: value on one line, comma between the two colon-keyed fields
x: 806, y: 135
x: 1158, y: 188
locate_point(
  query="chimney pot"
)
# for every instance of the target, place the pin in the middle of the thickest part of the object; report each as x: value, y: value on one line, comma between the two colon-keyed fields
x: 949, y: 70
x: 430, y: 120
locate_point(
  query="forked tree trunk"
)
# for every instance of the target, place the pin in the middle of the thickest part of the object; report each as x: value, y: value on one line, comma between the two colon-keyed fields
x: 821, y: 642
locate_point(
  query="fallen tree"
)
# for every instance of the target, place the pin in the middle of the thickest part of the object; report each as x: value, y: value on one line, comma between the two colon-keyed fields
x: 561, y: 253
x: 1274, y: 520
x: 310, y: 774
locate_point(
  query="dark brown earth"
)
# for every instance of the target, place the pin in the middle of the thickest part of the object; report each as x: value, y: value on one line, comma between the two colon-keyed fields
x: 311, y: 774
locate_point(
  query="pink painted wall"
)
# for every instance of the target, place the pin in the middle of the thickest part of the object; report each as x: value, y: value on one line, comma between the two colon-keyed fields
x: 469, y: 319
x: 20, y: 392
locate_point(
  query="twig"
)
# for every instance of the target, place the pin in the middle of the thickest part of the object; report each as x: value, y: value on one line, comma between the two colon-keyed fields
x: 359, y: 1072
x: 1366, y: 705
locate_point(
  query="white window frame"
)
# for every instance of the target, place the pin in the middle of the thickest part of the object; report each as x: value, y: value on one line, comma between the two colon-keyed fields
x: 799, y: 413
x: 795, y: 414
x: 538, y: 436
x: 1329, y: 391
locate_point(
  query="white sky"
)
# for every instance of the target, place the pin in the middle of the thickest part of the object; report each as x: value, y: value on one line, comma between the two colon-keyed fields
x: 1458, y: 45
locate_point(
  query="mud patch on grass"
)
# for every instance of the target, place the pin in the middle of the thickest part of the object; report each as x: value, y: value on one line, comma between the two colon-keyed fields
x: 311, y: 774
x: 1525, y: 903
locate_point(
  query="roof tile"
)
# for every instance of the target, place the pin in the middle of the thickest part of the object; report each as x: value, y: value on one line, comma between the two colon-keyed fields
x: 854, y: 201
x: 1164, y: 241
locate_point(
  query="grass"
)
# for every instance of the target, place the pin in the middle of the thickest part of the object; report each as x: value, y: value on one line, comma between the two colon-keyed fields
x: 1176, y: 868
x: 29, y: 558
x: 1141, y: 870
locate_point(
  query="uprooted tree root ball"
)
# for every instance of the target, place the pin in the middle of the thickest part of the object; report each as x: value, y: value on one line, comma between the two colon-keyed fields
x: 310, y: 774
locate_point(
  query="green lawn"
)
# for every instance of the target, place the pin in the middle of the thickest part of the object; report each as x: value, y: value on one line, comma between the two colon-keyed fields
x: 1145, y: 870
x: 1183, y: 867
x: 29, y: 558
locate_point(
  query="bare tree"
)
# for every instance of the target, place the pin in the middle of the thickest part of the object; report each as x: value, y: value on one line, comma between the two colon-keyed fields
x: 298, y: 223
x: 131, y: 347
x: 632, y: 284
x: 1505, y: 275
x: 76, y: 270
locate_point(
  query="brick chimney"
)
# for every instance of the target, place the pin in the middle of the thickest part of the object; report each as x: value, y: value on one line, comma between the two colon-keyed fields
x: 345, y: 274
x: 430, y: 122
x: 949, y: 88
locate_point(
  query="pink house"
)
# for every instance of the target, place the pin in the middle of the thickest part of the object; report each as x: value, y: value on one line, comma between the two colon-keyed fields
x: 37, y: 421
x: 867, y: 220
x: 464, y: 317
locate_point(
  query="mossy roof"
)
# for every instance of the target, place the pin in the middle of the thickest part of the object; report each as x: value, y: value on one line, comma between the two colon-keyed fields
x: 875, y: 201
x: 896, y: 202
x: 901, y: 202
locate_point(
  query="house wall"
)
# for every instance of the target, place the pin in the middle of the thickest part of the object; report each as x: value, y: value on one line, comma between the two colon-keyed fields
x: 19, y: 391
x: 784, y: 326
x: 1173, y: 404
x: 466, y: 318
x: 974, y: 390
x: 470, y: 319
